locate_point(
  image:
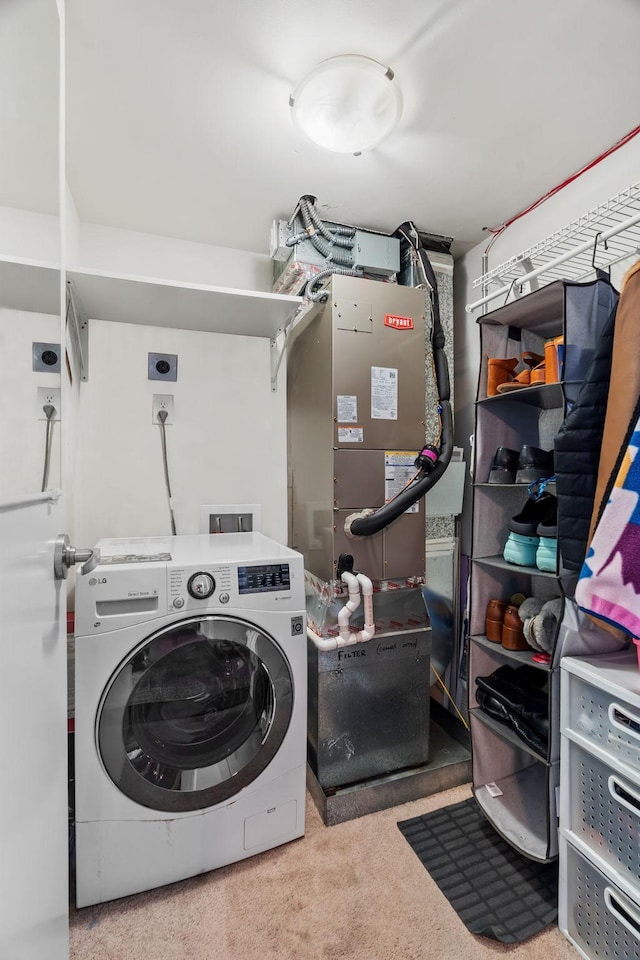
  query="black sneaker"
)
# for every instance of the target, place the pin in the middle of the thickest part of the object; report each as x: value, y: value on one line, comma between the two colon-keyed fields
x: 534, y: 464
x: 504, y: 466
x: 536, y: 515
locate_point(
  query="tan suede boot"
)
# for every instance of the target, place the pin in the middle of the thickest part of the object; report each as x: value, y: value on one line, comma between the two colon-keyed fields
x: 553, y: 365
x: 499, y: 371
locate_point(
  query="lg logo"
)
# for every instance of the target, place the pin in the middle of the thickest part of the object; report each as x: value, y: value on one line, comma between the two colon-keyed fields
x: 95, y: 580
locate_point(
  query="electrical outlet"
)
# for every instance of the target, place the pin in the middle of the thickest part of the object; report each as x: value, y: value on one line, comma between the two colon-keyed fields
x: 162, y: 401
x: 48, y: 395
x: 45, y: 357
x: 163, y: 366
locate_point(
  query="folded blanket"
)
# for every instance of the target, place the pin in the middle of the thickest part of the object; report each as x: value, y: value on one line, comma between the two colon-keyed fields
x: 609, y: 583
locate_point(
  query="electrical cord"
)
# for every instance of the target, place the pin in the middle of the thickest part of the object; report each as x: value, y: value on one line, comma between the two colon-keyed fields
x: 49, y: 412
x: 444, y: 687
x: 162, y: 416
x: 497, y: 231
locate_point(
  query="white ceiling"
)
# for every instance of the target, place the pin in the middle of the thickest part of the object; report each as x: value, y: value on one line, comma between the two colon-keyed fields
x: 178, y: 121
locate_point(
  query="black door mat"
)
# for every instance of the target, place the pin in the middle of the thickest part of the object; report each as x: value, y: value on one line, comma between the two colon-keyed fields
x: 495, y: 891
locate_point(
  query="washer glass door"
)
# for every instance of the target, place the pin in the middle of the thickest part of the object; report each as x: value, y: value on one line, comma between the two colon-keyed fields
x: 195, y: 713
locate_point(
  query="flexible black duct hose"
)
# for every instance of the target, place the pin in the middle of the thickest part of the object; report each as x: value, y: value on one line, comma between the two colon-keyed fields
x: 367, y: 526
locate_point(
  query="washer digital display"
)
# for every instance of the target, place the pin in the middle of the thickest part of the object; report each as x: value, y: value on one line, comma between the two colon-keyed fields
x: 264, y: 578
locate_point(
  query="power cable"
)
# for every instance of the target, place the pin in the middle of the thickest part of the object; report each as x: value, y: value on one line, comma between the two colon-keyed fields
x: 497, y: 231
x: 453, y: 703
x: 162, y: 416
x: 50, y: 412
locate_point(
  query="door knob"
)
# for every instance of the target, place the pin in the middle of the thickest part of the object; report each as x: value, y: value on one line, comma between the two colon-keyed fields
x: 65, y: 556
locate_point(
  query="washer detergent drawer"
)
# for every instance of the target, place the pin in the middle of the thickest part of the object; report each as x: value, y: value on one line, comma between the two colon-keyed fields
x: 114, y: 597
x: 603, y: 811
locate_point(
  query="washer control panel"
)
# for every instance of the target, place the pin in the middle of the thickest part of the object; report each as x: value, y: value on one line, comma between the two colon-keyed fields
x: 201, y: 585
x: 189, y: 588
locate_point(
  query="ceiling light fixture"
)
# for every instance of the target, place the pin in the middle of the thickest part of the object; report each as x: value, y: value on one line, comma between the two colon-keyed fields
x: 347, y: 104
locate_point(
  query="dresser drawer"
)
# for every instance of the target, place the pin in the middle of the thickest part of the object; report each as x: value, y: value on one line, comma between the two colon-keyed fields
x: 601, y: 807
x: 596, y: 916
x: 607, y: 718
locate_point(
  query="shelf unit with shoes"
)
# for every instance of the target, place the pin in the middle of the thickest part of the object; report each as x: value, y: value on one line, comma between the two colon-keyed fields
x: 514, y: 688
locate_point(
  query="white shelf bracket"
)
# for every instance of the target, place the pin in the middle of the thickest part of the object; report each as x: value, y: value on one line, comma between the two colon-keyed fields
x: 278, y: 347
x: 78, y: 327
x: 278, y: 350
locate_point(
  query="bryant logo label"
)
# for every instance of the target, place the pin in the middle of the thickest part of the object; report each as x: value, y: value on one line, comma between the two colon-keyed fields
x: 398, y: 323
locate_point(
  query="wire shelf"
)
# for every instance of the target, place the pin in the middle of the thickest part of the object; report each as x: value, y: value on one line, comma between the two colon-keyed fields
x: 598, y: 239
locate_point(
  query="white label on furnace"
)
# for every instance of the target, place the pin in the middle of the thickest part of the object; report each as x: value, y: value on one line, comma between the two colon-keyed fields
x: 347, y: 409
x: 399, y: 469
x: 384, y: 393
x: 350, y: 435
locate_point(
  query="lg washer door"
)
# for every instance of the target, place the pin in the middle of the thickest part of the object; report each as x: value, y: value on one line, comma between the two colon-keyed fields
x: 195, y: 713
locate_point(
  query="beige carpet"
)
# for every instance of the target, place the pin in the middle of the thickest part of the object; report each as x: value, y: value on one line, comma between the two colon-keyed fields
x: 355, y: 891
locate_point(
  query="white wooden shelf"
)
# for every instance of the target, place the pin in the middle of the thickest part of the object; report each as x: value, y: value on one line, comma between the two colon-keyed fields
x: 184, y: 306
x: 29, y: 285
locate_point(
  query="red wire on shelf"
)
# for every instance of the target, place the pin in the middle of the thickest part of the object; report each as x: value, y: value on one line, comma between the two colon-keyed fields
x: 496, y: 231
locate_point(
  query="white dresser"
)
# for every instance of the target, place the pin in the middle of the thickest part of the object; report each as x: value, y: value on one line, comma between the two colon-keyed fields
x: 599, y: 894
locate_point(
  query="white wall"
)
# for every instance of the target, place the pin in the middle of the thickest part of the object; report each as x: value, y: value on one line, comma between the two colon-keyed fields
x: 32, y: 236
x: 22, y: 434
x: 616, y: 173
x: 227, y: 443
x: 142, y: 254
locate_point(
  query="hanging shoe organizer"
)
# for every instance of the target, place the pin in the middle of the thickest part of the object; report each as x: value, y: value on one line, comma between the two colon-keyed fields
x: 515, y: 757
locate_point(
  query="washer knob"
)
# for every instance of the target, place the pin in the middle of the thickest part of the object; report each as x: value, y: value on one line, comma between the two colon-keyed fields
x: 201, y: 585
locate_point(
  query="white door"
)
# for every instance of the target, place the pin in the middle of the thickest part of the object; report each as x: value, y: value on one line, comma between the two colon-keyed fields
x: 34, y: 860
x: 33, y: 721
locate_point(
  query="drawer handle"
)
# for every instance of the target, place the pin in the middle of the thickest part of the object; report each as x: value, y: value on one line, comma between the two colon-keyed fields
x: 623, y: 720
x: 627, y: 916
x: 624, y: 794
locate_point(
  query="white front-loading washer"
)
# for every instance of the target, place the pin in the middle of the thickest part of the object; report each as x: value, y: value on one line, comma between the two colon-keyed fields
x: 190, y: 708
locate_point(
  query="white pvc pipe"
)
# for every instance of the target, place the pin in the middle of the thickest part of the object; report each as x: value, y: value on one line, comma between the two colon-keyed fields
x: 322, y: 643
x: 346, y: 637
x: 350, y: 606
x: 367, y: 592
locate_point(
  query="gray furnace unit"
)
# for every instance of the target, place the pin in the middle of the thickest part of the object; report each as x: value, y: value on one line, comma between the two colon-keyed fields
x: 356, y: 422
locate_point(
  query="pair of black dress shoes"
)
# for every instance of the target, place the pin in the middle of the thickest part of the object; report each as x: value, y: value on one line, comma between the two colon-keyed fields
x: 521, y: 466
